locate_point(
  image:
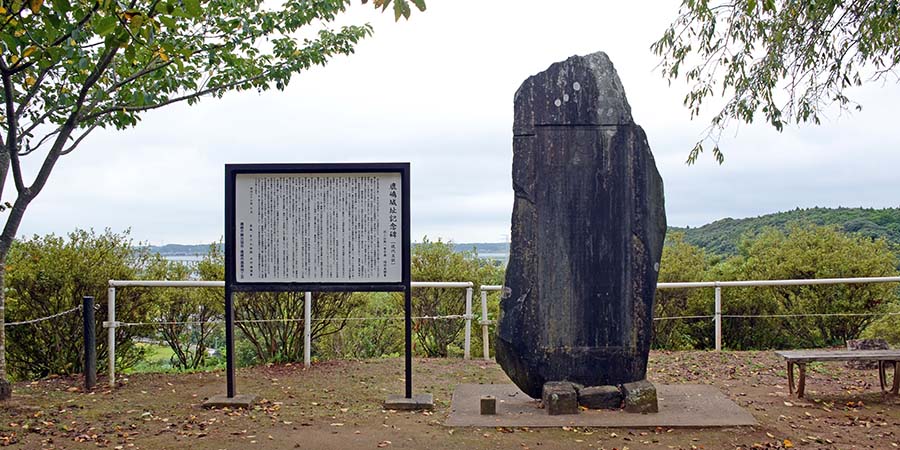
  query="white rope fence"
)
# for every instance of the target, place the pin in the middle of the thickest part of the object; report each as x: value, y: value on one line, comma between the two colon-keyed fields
x: 111, y: 324
x: 297, y: 319
x: 485, y: 320
x: 717, y: 315
x: 683, y: 317
x: 754, y: 316
x: 42, y: 319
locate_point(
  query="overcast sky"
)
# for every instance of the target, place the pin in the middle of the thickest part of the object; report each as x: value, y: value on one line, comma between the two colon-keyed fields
x: 437, y: 91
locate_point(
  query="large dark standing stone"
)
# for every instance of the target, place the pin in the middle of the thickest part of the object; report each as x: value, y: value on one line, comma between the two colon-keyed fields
x: 587, y: 232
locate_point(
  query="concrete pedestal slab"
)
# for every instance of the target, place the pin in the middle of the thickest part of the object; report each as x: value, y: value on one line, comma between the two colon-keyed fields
x: 682, y: 405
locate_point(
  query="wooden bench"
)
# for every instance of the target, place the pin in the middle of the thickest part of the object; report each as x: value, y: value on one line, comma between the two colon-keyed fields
x: 800, y: 358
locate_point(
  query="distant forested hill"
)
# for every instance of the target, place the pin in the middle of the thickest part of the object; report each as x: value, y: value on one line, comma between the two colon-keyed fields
x: 723, y: 236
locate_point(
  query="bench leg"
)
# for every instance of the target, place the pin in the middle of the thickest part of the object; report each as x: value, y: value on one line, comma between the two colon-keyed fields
x: 881, y: 373
x: 790, y: 374
x: 801, y: 382
x: 896, y: 388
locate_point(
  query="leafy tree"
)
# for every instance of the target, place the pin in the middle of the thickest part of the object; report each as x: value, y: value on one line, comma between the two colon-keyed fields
x: 805, y: 252
x: 436, y: 261
x: 887, y: 327
x: 188, y: 316
x: 784, y: 59
x: 269, y: 320
x: 372, y: 338
x: 68, y: 68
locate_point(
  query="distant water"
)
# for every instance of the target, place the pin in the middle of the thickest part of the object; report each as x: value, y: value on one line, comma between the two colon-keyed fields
x: 184, y: 258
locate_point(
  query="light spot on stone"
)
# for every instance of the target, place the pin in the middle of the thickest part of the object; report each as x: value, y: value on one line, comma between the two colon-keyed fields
x: 565, y: 97
x: 576, y: 86
x: 656, y: 267
x: 557, y: 102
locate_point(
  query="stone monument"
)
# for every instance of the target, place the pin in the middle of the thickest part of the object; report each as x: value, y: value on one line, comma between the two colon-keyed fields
x: 588, y: 226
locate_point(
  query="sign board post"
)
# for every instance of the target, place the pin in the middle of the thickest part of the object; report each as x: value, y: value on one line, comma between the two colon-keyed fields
x: 315, y: 227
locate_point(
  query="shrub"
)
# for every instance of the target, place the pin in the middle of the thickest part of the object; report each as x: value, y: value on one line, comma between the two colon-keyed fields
x: 49, y: 274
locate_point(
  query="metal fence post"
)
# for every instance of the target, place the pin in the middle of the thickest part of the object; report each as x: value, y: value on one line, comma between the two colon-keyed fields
x: 90, y: 343
x: 484, y: 326
x: 111, y: 334
x: 468, y: 346
x: 718, y: 317
x: 307, y: 329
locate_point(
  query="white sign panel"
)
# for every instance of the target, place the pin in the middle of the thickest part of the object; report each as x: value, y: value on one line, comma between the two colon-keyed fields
x: 318, y: 228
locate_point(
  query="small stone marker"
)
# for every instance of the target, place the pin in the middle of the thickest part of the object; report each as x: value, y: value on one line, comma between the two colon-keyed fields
x: 488, y: 405
x: 640, y: 397
x: 600, y: 397
x: 418, y: 402
x: 560, y: 397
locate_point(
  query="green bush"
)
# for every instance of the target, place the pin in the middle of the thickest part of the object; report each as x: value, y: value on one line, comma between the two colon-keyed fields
x: 436, y: 261
x: 189, y: 316
x: 886, y: 327
x: 49, y: 274
x: 682, y: 262
x: 368, y: 338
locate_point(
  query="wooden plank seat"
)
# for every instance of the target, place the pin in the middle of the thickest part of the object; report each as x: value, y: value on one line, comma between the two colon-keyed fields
x: 800, y: 358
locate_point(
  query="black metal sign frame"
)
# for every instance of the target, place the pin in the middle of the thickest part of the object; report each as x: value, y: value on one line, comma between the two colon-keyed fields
x: 233, y: 285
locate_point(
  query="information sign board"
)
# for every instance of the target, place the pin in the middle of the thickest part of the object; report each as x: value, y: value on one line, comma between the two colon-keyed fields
x: 317, y: 226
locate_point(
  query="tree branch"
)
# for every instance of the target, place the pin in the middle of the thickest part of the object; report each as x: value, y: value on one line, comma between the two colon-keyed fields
x: 12, y: 141
x: 71, y: 123
x: 78, y: 141
x: 29, y: 149
x: 35, y: 88
x: 194, y: 95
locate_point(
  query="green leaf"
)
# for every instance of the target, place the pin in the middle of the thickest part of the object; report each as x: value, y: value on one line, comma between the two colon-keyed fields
x: 135, y: 23
x: 106, y: 25
x: 192, y: 7
x: 168, y: 21
x: 419, y: 4
x: 751, y: 6
x: 398, y: 9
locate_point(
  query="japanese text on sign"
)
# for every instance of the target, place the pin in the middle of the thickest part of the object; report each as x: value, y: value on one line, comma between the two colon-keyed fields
x: 318, y: 228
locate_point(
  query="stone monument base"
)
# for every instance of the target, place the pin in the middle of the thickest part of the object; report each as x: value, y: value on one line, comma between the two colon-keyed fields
x: 563, y: 397
x: 680, y: 405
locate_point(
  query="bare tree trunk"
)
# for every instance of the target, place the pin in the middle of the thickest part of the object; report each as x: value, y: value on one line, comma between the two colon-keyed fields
x: 6, y: 240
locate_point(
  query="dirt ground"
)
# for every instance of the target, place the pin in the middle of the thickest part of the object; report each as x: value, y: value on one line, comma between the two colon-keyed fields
x: 337, y: 405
